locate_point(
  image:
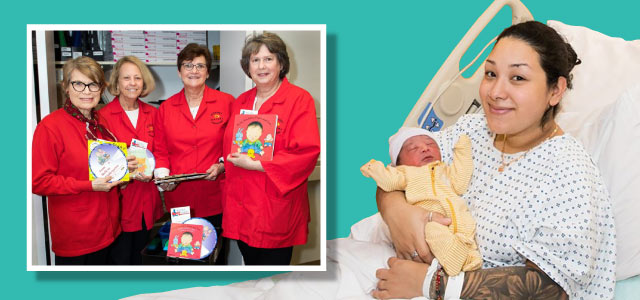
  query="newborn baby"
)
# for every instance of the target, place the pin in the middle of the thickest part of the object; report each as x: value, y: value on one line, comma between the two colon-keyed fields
x: 434, y: 186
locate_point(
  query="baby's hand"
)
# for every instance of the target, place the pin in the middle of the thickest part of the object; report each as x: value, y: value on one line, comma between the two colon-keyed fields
x: 368, y: 169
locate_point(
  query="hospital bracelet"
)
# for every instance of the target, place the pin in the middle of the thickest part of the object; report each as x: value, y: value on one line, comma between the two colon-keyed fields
x: 454, y: 286
x: 426, y: 285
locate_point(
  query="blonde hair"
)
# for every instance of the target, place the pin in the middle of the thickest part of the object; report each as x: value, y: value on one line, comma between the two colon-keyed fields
x: 149, y: 84
x: 85, y: 65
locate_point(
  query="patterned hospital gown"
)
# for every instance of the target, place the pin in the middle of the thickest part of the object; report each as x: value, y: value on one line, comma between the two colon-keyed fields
x: 550, y: 207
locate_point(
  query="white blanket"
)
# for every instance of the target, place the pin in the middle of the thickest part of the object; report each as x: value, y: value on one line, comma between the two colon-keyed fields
x: 351, y: 266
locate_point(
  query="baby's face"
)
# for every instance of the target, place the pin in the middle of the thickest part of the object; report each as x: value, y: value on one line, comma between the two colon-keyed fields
x: 254, y: 133
x: 186, y: 239
x: 418, y: 151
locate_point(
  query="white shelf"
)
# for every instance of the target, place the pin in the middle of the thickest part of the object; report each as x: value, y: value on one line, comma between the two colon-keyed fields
x: 108, y: 63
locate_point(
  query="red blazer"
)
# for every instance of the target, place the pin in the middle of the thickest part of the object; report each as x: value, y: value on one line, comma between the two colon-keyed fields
x: 138, y: 198
x: 271, y: 209
x: 81, y: 220
x: 184, y: 145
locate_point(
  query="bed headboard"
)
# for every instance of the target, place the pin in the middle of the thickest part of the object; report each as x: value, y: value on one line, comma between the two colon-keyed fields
x: 449, y: 93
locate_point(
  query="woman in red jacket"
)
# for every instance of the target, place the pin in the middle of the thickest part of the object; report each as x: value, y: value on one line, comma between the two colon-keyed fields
x: 188, y: 138
x: 266, y: 205
x: 130, y: 118
x: 83, y: 215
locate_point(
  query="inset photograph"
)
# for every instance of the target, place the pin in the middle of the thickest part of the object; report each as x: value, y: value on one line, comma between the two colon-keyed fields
x: 176, y: 147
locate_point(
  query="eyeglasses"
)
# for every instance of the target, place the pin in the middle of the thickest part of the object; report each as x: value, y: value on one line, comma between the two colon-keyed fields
x: 79, y: 86
x: 199, y: 67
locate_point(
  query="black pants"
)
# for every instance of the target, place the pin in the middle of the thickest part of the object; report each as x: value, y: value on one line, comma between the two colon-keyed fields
x: 99, y: 257
x: 265, y: 256
x: 223, y: 254
x: 128, y: 246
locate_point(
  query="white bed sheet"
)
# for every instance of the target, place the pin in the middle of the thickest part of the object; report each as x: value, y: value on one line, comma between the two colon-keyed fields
x: 350, y: 275
x: 351, y: 266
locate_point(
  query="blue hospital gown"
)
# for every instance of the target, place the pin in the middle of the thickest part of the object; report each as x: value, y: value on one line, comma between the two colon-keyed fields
x: 550, y: 207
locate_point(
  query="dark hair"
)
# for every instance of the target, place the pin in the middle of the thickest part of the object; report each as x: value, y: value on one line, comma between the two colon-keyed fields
x: 193, y: 50
x: 255, y: 123
x: 557, y: 57
x: 275, y: 45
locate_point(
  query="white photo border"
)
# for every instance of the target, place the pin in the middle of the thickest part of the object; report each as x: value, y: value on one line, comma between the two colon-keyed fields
x: 244, y: 27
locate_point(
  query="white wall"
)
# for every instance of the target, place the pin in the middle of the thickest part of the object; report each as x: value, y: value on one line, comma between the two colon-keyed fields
x: 304, y: 54
x: 232, y: 78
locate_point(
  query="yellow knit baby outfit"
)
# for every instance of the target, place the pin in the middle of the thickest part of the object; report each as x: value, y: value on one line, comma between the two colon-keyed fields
x: 437, y: 187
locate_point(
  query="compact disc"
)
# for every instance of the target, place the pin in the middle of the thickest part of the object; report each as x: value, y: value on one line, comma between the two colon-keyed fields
x: 209, y: 236
x: 107, y: 160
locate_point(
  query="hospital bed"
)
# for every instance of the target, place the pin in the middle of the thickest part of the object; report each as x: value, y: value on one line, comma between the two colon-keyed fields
x: 602, y: 111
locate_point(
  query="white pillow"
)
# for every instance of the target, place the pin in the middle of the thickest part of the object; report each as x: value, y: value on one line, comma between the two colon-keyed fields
x: 613, y: 139
x: 603, y: 112
x: 609, y: 66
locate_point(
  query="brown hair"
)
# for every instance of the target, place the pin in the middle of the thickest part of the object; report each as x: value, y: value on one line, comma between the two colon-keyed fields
x: 193, y: 50
x: 275, y: 45
x: 557, y: 57
x: 149, y: 84
x: 88, y: 67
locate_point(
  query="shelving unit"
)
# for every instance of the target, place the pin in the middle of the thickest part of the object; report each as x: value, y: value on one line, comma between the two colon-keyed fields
x: 214, y: 63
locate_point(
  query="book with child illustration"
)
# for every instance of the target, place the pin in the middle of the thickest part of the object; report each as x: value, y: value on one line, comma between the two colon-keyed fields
x: 107, y: 159
x: 185, y: 241
x: 255, y: 135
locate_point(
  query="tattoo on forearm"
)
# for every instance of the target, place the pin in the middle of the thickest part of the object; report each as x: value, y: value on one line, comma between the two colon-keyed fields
x: 527, y: 282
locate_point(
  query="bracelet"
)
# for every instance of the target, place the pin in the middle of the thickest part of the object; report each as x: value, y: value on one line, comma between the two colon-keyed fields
x: 438, y: 285
x: 426, y: 285
x: 454, y: 286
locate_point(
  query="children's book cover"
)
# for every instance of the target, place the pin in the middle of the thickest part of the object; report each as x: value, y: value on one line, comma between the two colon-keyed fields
x: 255, y: 135
x: 108, y: 159
x: 185, y: 241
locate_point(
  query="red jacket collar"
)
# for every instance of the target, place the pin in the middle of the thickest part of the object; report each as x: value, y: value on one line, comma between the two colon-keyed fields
x: 116, y: 108
x: 208, y: 96
x: 276, y: 98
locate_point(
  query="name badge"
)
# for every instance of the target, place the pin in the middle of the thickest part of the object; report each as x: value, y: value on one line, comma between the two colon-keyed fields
x: 248, y: 112
x: 138, y: 143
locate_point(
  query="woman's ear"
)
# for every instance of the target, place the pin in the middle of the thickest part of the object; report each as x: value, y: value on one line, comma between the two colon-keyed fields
x: 558, y: 91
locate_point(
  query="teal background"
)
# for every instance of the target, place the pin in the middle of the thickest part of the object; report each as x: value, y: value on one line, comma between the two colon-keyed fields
x: 380, y: 57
